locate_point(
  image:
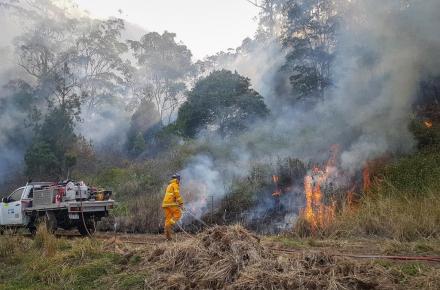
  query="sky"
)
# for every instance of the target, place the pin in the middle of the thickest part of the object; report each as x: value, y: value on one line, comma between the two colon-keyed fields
x: 205, y: 26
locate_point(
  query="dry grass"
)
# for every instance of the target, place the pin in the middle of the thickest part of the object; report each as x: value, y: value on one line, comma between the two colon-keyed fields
x: 232, y: 258
x: 398, y: 218
x: 45, y: 241
x: 219, y: 258
x: 7, y: 246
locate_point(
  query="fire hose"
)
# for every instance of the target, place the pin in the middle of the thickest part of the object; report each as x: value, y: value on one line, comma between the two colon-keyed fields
x: 185, y: 210
x: 82, y: 213
x: 401, y: 258
x: 195, y: 217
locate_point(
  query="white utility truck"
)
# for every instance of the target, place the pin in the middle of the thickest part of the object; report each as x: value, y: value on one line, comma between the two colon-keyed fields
x: 64, y: 205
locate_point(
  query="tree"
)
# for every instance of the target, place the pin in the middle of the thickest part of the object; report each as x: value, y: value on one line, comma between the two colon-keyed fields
x: 69, y: 62
x: 164, y: 67
x: 50, y: 152
x: 98, y: 55
x: 269, y: 17
x: 222, y: 102
x: 143, y: 120
x: 41, y: 161
x: 73, y: 62
x: 309, y: 35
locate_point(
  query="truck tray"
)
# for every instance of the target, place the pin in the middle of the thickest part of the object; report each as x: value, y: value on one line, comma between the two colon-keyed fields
x: 44, y: 196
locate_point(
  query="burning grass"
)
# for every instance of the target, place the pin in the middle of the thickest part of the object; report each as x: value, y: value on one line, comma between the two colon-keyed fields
x: 232, y: 258
x: 404, y: 203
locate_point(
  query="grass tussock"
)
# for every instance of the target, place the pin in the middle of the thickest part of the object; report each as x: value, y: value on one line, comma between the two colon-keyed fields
x: 7, y: 246
x: 45, y: 241
x: 402, y: 219
x: 47, y: 262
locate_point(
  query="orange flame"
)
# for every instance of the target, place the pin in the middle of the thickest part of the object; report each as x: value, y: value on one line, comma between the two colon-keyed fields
x: 428, y: 123
x: 316, y: 213
x: 366, y: 178
x: 277, y: 191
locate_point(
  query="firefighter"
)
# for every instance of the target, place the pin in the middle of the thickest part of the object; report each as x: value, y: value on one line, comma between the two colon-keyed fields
x: 172, y: 205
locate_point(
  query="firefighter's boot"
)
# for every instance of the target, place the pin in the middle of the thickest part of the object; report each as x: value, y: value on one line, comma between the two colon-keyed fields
x: 168, y: 233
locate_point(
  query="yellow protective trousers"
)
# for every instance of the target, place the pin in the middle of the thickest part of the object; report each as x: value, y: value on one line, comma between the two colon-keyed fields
x: 172, y: 216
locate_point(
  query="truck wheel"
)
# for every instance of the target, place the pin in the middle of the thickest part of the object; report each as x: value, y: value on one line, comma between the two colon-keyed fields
x: 32, y: 225
x: 90, y: 226
x: 51, y: 222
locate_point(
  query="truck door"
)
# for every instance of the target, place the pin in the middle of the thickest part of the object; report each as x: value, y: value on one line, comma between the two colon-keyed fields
x: 11, y: 211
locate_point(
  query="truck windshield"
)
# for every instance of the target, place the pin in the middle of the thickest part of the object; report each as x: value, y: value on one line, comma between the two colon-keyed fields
x: 16, y: 195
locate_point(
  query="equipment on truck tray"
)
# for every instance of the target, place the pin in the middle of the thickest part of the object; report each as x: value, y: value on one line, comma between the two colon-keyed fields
x: 65, y: 205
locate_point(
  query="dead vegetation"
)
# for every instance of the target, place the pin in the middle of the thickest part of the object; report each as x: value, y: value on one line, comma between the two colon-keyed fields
x: 222, y: 257
x: 232, y: 258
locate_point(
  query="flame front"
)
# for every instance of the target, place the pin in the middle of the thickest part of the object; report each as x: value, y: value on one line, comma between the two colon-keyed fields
x: 366, y: 178
x: 316, y: 213
x: 277, y: 191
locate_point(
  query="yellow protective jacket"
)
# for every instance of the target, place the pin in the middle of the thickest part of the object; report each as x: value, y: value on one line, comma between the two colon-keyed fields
x: 172, y: 195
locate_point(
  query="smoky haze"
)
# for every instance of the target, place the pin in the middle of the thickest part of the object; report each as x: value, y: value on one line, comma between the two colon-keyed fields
x: 384, y: 49
x: 383, y: 54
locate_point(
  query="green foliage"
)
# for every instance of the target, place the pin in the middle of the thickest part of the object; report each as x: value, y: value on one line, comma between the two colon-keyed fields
x: 49, y: 155
x: 223, y: 102
x: 310, y: 35
x: 143, y: 126
x: 67, y: 63
x: 40, y: 160
x: 404, y: 204
x: 425, y: 136
x: 416, y: 175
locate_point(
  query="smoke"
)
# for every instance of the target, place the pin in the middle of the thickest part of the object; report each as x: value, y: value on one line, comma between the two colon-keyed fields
x: 385, y: 48
x: 260, y: 61
x: 11, y: 155
x: 204, y: 181
x: 375, y: 89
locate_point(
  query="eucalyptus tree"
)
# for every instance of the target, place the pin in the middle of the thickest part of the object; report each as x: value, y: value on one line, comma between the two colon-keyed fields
x: 163, y: 70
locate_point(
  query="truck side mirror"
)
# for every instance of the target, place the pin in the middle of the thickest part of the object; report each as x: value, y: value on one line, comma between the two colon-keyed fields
x: 5, y: 200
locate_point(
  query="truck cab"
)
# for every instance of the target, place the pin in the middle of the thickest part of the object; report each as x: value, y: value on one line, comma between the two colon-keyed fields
x: 13, y: 206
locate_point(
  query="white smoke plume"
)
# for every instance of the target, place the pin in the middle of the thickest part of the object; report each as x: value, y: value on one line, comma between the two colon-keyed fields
x: 385, y: 48
x: 376, y: 88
